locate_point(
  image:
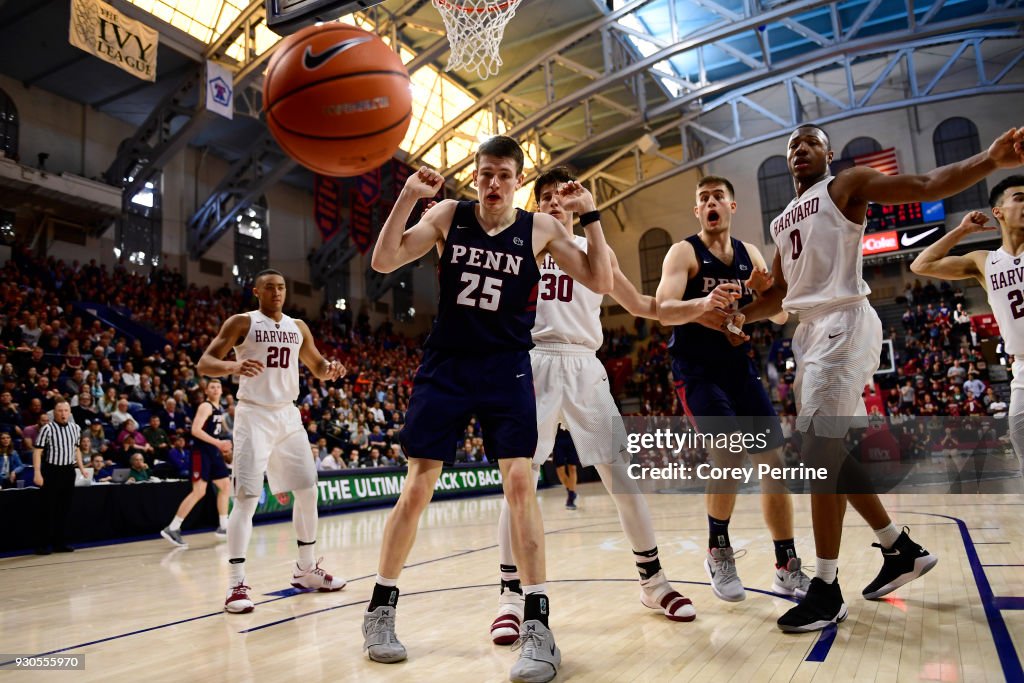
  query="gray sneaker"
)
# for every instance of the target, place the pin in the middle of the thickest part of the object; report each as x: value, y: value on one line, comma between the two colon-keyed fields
x: 539, y: 657
x: 379, y: 640
x: 790, y: 580
x: 174, y: 537
x: 221, y: 533
x: 720, y: 565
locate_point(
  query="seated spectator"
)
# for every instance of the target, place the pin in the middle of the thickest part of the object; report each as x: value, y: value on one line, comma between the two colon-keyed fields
x: 120, y: 414
x: 143, y: 393
x: 974, y: 385
x: 131, y: 442
x: 335, y: 460
x: 10, y: 462
x: 157, y: 438
x: 101, y: 471
x: 396, y: 455
x: 108, y: 404
x: 173, y: 418
x: 180, y: 457
x: 376, y: 437
x: 10, y: 415
x: 376, y: 459
x: 353, y: 459
x: 85, y: 413
x: 139, y: 469
x: 32, y: 431
x: 100, y: 443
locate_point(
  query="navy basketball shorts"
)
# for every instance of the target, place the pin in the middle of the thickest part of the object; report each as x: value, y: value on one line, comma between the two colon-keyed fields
x: 449, y: 387
x: 727, y: 401
x: 208, y: 465
x: 565, y: 450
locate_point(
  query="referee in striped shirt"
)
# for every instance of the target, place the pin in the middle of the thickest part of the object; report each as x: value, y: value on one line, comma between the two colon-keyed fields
x: 54, y: 457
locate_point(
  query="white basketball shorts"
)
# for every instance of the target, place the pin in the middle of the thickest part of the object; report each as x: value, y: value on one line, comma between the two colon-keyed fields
x: 572, y: 388
x: 271, y: 439
x: 1016, y: 414
x: 837, y: 353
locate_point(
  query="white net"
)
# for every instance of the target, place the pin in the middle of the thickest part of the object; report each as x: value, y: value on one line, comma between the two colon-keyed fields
x: 475, y: 29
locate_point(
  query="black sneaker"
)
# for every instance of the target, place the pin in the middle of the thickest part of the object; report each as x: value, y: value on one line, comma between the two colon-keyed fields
x: 570, y: 501
x: 822, y: 606
x: 901, y: 564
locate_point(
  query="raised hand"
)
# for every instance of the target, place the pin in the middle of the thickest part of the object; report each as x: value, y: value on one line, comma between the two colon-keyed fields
x: 424, y: 183
x: 576, y: 198
x: 248, y: 368
x: 760, y: 280
x: 976, y: 221
x: 1008, y: 149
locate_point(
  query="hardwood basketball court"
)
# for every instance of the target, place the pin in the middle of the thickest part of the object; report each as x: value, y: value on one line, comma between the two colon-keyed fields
x: 143, y: 610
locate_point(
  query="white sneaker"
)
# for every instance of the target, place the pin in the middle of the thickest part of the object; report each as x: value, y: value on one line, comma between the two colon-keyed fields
x: 658, y: 594
x: 238, y: 601
x: 790, y: 580
x: 539, y: 657
x: 720, y: 565
x: 505, y: 627
x: 317, y: 578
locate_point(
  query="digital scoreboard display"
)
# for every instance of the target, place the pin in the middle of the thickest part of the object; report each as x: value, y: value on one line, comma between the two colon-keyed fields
x: 903, y: 215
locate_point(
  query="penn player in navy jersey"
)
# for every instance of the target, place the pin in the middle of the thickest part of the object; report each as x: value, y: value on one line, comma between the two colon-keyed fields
x: 719, y: 387
x: 999, y: 272
x: 817, y: 275
x: 269, y: 438
x: 209, y: 453
x: 477, y: 361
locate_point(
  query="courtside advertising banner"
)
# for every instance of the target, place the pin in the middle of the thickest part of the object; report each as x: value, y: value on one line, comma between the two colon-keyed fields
x: 103, y: 32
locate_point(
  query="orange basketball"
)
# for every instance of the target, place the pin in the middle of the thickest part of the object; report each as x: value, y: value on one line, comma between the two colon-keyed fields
x: 337, y: 99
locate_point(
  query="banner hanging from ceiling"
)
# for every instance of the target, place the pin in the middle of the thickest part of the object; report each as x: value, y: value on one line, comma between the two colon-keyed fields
x: 103, y: 32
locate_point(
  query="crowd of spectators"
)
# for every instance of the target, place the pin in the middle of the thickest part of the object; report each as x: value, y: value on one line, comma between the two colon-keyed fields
x: 135, y: 406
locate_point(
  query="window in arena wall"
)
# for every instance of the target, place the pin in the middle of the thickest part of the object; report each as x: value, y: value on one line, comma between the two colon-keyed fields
x: 776, y: 190
x: 8, y: 126
x: 954, y: 140
x: 653, y: 247
x: 252, y: 253
x: 139, y: 233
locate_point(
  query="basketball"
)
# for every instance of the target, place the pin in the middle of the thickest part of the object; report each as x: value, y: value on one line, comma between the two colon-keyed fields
x: 337, y: 99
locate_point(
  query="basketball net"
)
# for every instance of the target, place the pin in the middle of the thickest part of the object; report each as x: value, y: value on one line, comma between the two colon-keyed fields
x: 475, y: 29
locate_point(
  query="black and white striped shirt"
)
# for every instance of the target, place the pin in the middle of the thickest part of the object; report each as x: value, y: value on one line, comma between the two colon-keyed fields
x: 59, y: 442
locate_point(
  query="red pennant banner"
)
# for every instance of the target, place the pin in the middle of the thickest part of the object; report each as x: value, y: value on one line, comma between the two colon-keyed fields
x: 326, y: 208
x: 362, y: 223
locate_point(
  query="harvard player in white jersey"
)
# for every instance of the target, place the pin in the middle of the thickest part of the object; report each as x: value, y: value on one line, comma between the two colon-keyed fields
x: 817, y: 276
x: 572, y: 389
x: 1000, y: 272
x: 269, y: 437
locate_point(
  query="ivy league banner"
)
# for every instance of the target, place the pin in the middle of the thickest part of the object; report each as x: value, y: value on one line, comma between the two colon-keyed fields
x: 102, y: 31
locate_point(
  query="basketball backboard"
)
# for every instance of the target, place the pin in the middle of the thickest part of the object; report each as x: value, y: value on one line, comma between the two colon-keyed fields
x: 288, y: 16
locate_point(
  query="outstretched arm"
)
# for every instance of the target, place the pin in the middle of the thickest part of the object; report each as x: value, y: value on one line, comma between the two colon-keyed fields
x: 397, y: 246
x: 862, y: 184
x: 935, y: 261
x: 623, y: 291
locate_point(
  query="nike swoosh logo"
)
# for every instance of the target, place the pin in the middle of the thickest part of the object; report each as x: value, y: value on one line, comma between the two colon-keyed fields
x: 311, y: 61
x: 707, y: 262
x: 833, y: 336
x: 992, y: 263
x: 521, y: 375
x: 910, y: 241
x: 461, y: 227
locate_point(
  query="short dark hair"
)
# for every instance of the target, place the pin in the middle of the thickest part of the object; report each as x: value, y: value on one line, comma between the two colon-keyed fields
x: 717, y: 180
x: 266, y: 271
x: 559, y: 174
x: 503, y: 147
x: 828, y: 140
x: 996, y: 195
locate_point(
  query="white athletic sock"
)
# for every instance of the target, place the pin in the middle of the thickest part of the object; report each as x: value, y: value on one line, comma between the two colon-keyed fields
x: 176, y: 523
x: 826, y: 570
x: 240, y: 531
x: 887, y: 535
x: 305, y: 561
x: 390, y: 583
x: 222, y: 521
x: 538, y: 588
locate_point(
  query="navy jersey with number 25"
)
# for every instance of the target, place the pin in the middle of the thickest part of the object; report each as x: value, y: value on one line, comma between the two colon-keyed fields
x: 488, y: 286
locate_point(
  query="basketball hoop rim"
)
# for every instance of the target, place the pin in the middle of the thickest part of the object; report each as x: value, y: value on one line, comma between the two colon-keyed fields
x: 474, y: 10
